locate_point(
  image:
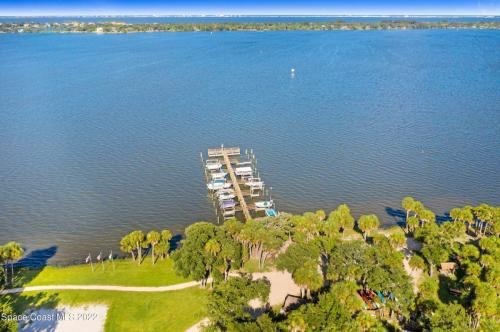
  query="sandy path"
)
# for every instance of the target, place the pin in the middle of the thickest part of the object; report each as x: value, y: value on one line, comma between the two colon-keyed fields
x: 282, y: 284
x: 198, y: 326
x: 415, y: 274
x: 102, y: 288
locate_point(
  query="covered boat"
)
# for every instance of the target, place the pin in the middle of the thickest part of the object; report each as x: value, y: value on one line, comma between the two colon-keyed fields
x: 264, y: 204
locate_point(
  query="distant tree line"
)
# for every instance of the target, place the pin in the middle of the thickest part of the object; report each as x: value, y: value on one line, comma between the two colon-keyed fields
x: 120, y: 27
x: 137, y: 243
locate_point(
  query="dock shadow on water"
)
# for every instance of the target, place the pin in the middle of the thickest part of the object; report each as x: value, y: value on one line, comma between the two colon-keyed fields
x: 28, y: 267
x: 398, y: 215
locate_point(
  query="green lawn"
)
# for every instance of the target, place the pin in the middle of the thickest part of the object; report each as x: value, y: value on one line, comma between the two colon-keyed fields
x: 130, y: 311
x: 126, y: 273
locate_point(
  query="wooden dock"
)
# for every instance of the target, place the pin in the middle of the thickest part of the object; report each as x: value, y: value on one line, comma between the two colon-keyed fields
x: 220, y: 152
x: 226, y: 153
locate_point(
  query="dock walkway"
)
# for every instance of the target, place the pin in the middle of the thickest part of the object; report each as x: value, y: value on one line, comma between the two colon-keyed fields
x: 236, y: 185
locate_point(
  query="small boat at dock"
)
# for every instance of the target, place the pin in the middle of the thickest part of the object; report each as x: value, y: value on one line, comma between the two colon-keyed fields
x: 218, y: 184
x: 227, y: 204
x: 264, y: 204
x: 213, y: 165
x: 226, y: 196
x: 271, y: 213
x: 218, y: 175
x: 254, y: 183
x: 241, y: 171
x: 225, y: 191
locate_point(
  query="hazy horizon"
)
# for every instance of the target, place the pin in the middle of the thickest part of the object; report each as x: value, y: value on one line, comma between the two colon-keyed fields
x: 252, y: 8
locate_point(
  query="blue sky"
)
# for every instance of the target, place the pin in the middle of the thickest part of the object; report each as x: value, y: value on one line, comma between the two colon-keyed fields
x: 255, y: 7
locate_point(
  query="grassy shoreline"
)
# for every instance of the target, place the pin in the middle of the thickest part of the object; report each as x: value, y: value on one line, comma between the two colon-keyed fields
x: 125, y: 273
x: 127, y: 311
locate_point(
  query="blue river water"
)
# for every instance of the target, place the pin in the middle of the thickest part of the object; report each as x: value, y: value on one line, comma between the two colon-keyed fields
x: 101, y: 134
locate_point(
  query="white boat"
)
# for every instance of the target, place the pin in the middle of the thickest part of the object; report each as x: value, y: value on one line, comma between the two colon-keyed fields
x: 254, y: 183
x: 243, y: 170
x: 218, y: 175
x: 225, y: 191
x: 243, y: 163
x: 264, y: 204
x: 213, y: 165
x: 218, y: 184
x: 226, y: 196
x: 228, y: 204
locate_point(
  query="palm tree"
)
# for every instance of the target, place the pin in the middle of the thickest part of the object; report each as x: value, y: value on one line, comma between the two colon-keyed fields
x: 297, y: 322
x: 164, y: 243
x: 427, y: 216
x: 153, y: 238
x: 367, y: 223
x: 212, y: 247
x: 484, y: 214
x: 139, y: 241
x: 127, y: 246
x: 408, y: 203
x: 11, y: 252
x: 346, y: 219
x: 412, y: 223
x: 3, y: 257
x: 467, y: 216
x: 308, y: 277
x: 397, y: 240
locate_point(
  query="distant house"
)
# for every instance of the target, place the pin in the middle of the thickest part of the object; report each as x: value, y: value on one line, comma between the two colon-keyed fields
x: 448, y: 268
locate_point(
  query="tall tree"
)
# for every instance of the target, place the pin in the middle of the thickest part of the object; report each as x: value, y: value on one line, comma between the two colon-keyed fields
x: 450, y: 317
x: 191, y: 259
x: 484, y: 302
x: 416, y: 262
x: 127, y: 246
x: 163, y: 245
x: 435, y: 254
x: 411, y: 224
x: 346, y: 218
x: 139, y: 241
x: 397, y: 240
x: 11, y: 252
x: 484, y: 215
x: 153, y: 239
x: 348, y: 261
x: 408, y: 204
x: 308, y: 277
x: 368, y: 223
x: 228, y: 302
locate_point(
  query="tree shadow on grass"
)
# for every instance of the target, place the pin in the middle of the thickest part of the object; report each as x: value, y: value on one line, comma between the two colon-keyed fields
x: 28, y: 267
x: 447, y: 285
x: 41, y: 303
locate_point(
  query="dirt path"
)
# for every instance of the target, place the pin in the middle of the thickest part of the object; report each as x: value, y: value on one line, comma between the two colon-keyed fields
x: 102, y: 288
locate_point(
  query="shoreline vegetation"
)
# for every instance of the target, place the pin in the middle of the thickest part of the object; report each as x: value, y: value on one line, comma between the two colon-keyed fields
x: 438, y: 273
x: 122, y: 27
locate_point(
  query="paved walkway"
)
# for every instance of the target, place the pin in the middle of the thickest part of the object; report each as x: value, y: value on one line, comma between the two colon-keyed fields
x: 102, y: 288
